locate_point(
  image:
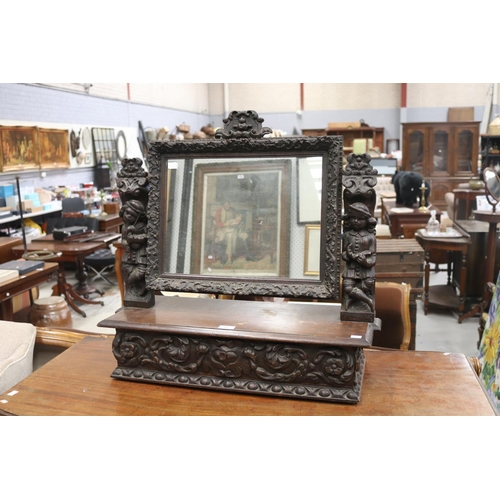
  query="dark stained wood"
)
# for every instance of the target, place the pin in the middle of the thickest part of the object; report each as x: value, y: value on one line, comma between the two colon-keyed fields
x: 110, y: 223
x: 6, y: 244
x: 396, y: 220
x: 78, y: 382
x: 314, y: 323
x: 290, y: 349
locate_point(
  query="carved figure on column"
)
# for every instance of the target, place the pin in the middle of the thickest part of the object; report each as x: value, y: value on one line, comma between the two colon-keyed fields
x: 359, y: 254
x: 359, y: 240
x: 133, y: 189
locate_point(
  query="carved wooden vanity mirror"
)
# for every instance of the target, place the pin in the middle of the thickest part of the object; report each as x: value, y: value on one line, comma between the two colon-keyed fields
x: 231, y: 216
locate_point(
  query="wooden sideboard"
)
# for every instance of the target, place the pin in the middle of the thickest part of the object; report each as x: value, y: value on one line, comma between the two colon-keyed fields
x: 78, y: 382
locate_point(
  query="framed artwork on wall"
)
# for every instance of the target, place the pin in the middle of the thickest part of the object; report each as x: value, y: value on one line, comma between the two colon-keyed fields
x: 19, y: 148
x: 240, y: 218
x: 54, y: 148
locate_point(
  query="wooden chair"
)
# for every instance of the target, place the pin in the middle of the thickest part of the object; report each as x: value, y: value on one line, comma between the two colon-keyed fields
x: 393, y: 309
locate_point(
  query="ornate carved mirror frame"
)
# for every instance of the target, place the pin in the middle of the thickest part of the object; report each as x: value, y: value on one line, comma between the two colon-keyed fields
x: 243, y: 148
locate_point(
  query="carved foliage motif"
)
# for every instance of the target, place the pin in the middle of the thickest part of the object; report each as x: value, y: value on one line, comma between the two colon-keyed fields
x: 314, y: 372
x: 359, y: 241
x: 241, y: 124
x: 132, y: 182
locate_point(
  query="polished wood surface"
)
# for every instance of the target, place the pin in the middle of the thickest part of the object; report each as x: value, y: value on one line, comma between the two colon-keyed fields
x: 444, y: 295
x: 110, y: 223
x: 6, y: 244
x: 21, y: 284
x: 396, y: 220
x: 118, y: 265
x: 78, y: 382
x: 312, y: 323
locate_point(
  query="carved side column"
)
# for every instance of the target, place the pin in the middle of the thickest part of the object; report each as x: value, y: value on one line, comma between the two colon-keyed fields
x: 359, y: 245
x: 132, y: 182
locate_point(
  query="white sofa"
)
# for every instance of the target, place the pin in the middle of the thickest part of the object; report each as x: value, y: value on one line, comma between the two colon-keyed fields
x: 17, y: 343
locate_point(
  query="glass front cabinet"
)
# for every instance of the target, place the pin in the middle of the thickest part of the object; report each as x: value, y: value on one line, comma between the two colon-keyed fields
x: 445, y: 154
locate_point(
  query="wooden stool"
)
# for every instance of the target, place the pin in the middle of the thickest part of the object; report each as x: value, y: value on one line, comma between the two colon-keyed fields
x: 51, y: 311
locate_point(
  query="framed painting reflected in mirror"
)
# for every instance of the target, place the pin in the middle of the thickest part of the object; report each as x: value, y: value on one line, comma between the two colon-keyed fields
x: 240, y: 219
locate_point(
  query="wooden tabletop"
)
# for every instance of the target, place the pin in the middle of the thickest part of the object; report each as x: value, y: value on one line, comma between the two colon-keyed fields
x: 70, y: 251
x: 78, y: 382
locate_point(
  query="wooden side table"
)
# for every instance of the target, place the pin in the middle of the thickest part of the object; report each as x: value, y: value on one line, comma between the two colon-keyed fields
x: 396, y: 215
x: 444, y: 295
x: 493, y: 219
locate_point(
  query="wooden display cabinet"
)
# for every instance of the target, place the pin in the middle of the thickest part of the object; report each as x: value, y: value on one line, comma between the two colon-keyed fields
x: 490, y: 151
x: 445, y: 153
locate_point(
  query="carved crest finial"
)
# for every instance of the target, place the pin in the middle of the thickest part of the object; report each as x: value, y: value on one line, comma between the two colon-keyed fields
x: 242, y: 124
x: 132, y: 167
x: 359, y: 165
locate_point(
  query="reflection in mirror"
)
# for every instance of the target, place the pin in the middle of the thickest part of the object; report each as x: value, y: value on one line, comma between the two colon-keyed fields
x: 492, y: 185
x: 241, y: 217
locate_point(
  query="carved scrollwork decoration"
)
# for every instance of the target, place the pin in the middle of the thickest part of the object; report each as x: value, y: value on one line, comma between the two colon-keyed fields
x: 242, y: 124
x: 359, y: 181
x: 132, y: 182
x: 359, y: 240
x: 272, y: 368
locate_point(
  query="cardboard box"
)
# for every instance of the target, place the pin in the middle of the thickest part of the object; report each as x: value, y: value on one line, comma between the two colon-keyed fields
x: 27, y: 205
x: 11, y: 201
x: 111, y: 208
x: 344, y: 125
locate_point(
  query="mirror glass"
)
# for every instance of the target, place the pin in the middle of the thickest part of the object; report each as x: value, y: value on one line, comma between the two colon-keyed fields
x: 492, y: 183
x: 248, y: 217
x: 241, y: 217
